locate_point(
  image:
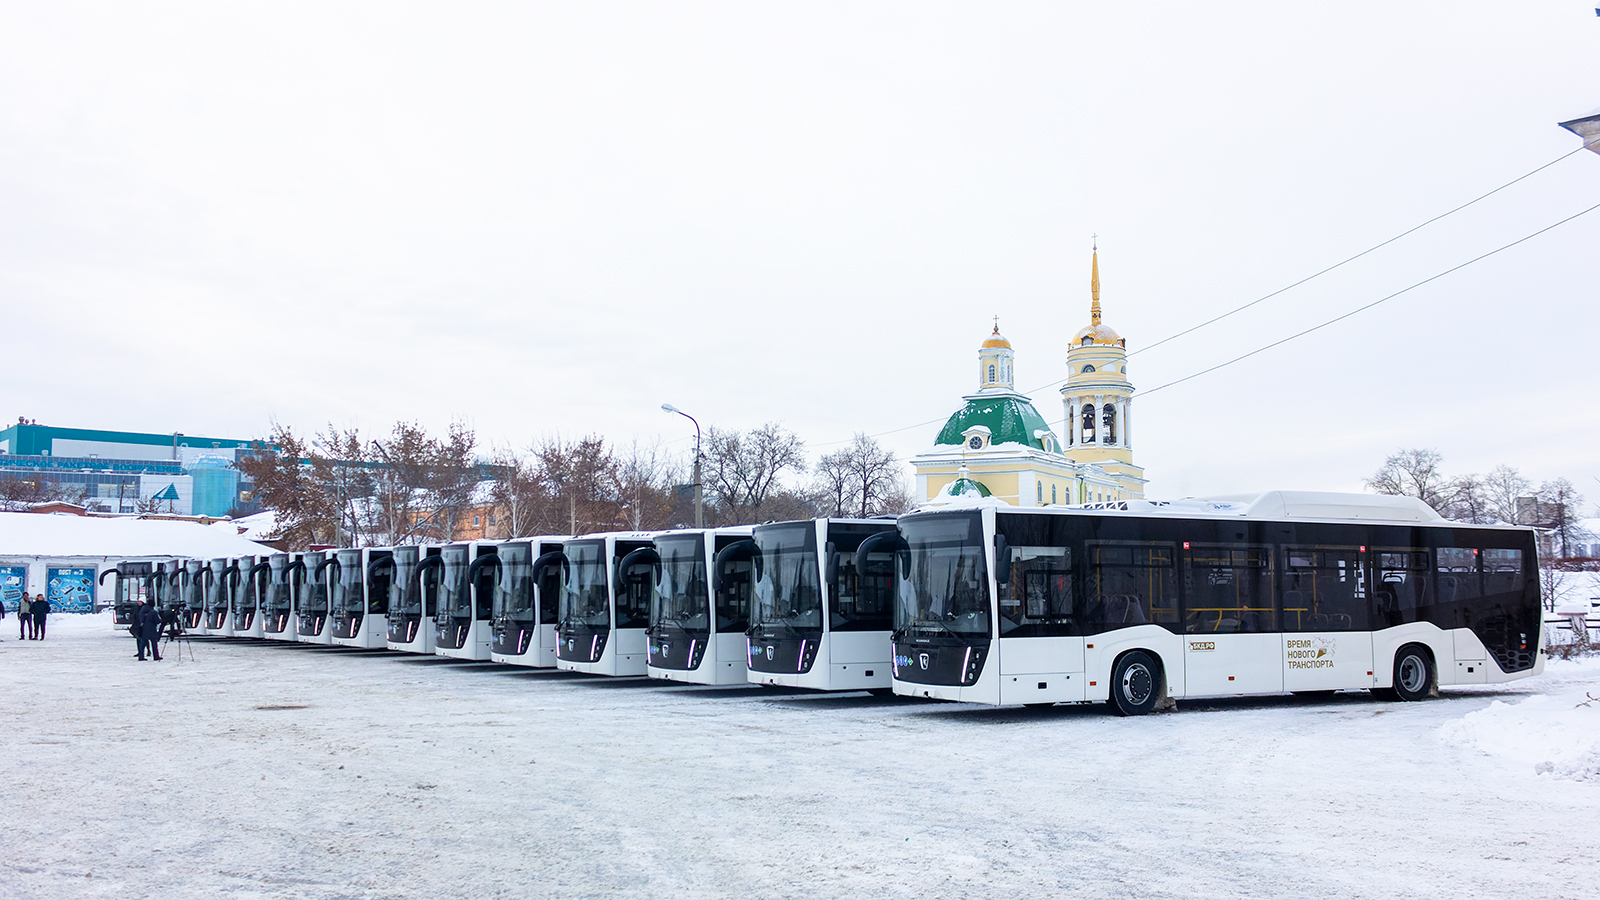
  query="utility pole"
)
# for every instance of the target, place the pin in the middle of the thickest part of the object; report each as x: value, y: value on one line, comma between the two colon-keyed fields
x: 699, y: 501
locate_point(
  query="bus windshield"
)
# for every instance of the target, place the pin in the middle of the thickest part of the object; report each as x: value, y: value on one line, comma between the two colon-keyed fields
x: 948, y: 588
x: 683, y: 598
x: 314, y: 600
x: 278, y: 596
x: 349, y: 592
x: 455, y: 592
x: 405, y: 598
x: 513, y: 585
x: 217, y: 590
x: 585, y: 598
x: 788, y: 591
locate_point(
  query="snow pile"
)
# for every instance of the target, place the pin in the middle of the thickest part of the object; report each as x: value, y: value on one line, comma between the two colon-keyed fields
x: 35, y: 534
x: 1556, y: 733
x: 258, y: 527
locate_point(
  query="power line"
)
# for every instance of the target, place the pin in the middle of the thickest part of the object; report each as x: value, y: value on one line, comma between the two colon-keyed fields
x: 1361, y: 309
x: 1353, y: 258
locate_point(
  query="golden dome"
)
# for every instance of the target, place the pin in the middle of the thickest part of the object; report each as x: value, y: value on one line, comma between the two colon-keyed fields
x: 1097, y: 334
x: 996, y: 340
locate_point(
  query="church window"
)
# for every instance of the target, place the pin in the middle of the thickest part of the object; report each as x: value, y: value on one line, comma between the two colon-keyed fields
x: 991, y: 373
x: 1040, y: 486
x: 1111, y: 424
x: 1087, y: 340
x: 1052, y: 493
x: 1088, y: 423
x: 1087, y: 369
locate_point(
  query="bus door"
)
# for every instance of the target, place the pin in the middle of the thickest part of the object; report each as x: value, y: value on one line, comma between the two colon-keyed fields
x: 1327, y: 641
x: 1230, y: 630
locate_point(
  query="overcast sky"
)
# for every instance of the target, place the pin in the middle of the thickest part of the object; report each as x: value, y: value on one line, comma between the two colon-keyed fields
x: 541, y: 218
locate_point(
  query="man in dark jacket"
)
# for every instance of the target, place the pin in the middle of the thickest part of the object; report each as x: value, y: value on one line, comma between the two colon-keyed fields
x: 147, y: 623
x: 40, y: 610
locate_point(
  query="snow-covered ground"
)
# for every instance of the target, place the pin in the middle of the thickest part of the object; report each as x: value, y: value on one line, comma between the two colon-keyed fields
x: 288, y: 771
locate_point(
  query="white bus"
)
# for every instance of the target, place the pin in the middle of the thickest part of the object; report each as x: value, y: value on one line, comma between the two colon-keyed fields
x: 461, y: 624
x: 312, y: 621
x: 1134, y: 602
x: 359, y: 597
x: 821, y: 616
x: 192, y: 595
x: 701, y: 606
x: 606, y: 584
x: 413, y: 599
x: 249, y: 595
x: 280, y: 602
x: 218, y: 597
x: 527, y: 583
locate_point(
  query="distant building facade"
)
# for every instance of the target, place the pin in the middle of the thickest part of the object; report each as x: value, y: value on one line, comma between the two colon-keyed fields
x: 116, y: 471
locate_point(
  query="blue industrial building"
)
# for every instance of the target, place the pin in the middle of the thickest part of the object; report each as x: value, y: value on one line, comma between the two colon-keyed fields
x: 115, y: 470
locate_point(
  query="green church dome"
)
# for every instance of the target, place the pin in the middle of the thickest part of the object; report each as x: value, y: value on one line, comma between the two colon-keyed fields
x: 966, y: 487
x: 1010, y: 420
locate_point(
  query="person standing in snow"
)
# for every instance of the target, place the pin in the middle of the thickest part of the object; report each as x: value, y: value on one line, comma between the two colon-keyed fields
x: 41, y: 611
x: 147, y: 625
x: 24, y: 618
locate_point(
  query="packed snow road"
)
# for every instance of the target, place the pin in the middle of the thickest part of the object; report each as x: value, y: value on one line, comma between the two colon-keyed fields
x: 261, y: 770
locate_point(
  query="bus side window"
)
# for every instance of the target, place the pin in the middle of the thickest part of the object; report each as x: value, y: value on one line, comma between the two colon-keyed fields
x: 1130, y: 584
x: 1324, y: 589
x: 862, y: 601
x: 1228, y: 589
x: 1038, y: 599
x: 1502, y: 572
x: 1403, y: 576
x: 1457, y: 574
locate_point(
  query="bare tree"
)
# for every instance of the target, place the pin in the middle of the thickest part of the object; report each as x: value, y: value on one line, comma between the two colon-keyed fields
x: 286, y: 484
x: 1558, y: 508
x: 1469, y: 501
x: 516, y: 493
x: 1413, y: 473
x: 19, y: 492
x: 454, y: 476
x: 742, y: 470
x: 340, y: 465
x: 1501, y: 488
x: 403, y: 480
x: 578, y: 486
x: 645, y: 479
x: 862, y: 479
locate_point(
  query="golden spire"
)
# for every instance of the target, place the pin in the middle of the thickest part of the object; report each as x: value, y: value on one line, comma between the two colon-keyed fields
x: 1094, y: 287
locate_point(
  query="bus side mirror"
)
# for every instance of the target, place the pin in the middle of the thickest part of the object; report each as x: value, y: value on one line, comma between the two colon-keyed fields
x: 1002, y: 560
x: 830, y: 569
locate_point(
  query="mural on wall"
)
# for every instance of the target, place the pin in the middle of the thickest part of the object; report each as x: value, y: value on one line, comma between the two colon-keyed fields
x: 13, y: 583
x: 70, y: 590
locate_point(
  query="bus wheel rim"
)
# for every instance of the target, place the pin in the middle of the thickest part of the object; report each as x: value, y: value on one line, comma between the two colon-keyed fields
x: 1137, y: 684
x: 1412, y: 673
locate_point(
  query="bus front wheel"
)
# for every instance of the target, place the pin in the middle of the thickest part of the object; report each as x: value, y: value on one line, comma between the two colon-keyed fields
x: 1135, y: 684
x: 1414, y: 677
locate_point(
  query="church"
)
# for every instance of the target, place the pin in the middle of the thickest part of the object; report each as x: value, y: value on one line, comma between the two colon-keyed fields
x: 998, y: 445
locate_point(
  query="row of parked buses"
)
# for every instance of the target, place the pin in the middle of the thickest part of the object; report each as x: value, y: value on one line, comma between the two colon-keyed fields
x: 1129, y: 603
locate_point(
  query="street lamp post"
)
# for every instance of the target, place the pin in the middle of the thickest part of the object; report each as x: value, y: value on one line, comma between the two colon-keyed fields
x: 699, y: 515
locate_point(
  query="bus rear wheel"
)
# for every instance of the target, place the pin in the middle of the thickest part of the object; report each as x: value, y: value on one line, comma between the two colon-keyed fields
x: 1135, y: 684
x: 1414, y: 677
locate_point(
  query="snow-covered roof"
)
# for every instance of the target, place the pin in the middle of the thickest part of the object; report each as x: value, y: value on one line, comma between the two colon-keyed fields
x: 258, y: 527
x: 33, y: 534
